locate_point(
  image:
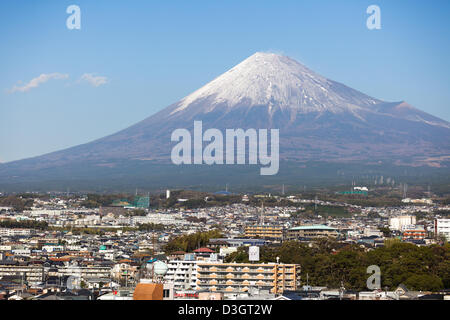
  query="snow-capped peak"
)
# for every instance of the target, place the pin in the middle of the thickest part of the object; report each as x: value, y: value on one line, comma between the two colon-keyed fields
x: 275, y: 80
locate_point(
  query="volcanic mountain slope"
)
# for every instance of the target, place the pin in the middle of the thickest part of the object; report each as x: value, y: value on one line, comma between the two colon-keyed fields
x: 319, y: 119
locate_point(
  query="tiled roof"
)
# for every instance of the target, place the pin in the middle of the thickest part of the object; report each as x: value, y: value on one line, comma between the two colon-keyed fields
x: 203, y: 250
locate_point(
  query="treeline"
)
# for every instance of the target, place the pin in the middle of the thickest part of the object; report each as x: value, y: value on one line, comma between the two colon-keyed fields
x: 370, y: 201
x: 25, y: 224
x: 217, y: 200
x: 136, y: 213
x: 18, y: 203
x: 334, y: 211
x: 190, y: 242
x: 329, y: 263
x: 203, y: 202
x: 151, y: 227
x: 100, y: 200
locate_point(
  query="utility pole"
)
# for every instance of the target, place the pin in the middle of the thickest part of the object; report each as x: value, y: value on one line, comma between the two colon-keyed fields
x: 341, y: 290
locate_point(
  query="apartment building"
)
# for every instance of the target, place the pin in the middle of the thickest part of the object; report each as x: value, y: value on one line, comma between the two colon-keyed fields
x: 313, y: 231
x: 397, y: 223
x: 241, y: 277
x: 264, y: 231
x: 85, y: 272
x: 442, y: 227
x: 6, y: 232
x: 414, y: 232
x: 30, y: 274
x: 182, y: 273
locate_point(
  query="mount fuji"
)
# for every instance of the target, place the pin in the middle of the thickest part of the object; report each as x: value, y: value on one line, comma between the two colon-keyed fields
x: 319, y: 120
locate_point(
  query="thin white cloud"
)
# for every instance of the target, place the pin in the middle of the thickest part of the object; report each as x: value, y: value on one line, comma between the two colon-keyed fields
x: 94, y: 80
x: 36, y: 82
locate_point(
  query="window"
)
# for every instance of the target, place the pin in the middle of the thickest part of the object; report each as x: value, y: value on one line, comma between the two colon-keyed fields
x: 166, y: 293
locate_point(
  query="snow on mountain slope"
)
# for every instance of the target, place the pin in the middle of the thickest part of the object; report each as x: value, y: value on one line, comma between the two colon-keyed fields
x: 277, y: 82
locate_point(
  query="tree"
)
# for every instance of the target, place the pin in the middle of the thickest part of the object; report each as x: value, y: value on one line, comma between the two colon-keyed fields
x: 424, y: 282
x: 191, y: 242
x: 386, y: 232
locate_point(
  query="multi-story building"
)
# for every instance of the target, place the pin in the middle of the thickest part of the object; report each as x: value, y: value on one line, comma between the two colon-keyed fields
x: 85, y: 272
x: 370, y: 231
x: 397, y: 223
x: 414, y: 232
x: 30, y: 274
x: 313, y: 231
x: 264, y: 231
x: 124, y: 272
x: 241, y: 277
x: 7, y: 232
x: 237, y: 242
x: 442, y: 227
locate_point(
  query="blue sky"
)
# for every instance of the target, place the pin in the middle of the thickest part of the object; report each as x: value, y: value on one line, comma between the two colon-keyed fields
x: 133, y: 58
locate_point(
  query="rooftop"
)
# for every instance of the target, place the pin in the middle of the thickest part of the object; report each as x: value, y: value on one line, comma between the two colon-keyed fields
x: 313, y: 227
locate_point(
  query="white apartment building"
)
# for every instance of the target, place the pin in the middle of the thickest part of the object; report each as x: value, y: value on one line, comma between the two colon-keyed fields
x: 183, y: 274
x: 397, y: 223
x: 31, y: 274
x: 21, y: 252
x: 160, y: 218
x: 85, y: 272
x: 370, y: 231
x: 6, y: 232
x: 442, y: 226
x: 53, y: 248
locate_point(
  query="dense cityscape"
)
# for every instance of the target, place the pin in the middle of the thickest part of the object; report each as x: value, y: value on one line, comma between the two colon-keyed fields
x: 188, y: 245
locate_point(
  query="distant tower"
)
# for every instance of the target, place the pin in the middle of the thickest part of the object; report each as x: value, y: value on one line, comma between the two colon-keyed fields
x: 226, y: 187
x: 405, y: 189
x: 283, y: 190
x: 167, y: 194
